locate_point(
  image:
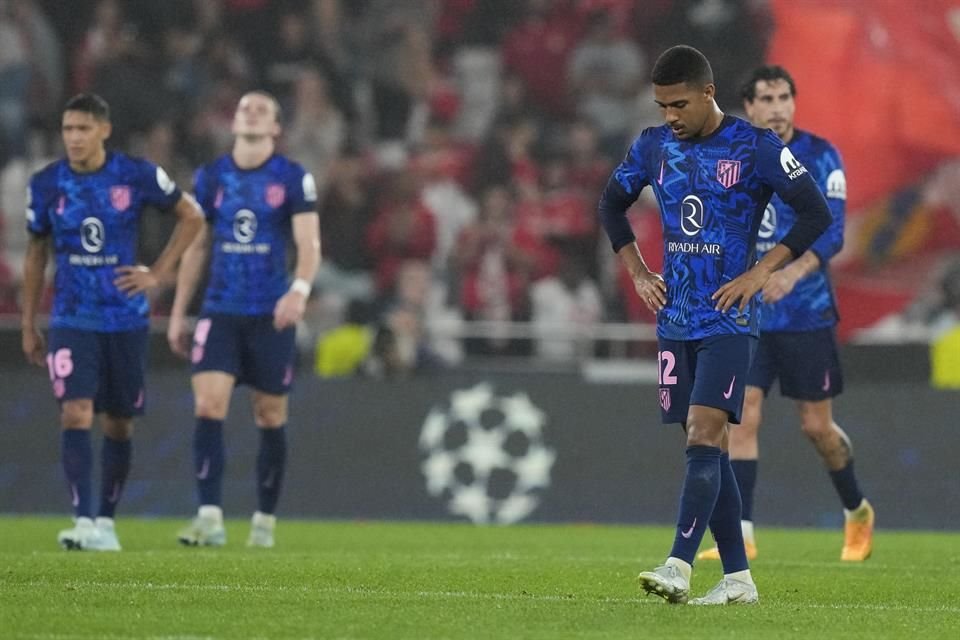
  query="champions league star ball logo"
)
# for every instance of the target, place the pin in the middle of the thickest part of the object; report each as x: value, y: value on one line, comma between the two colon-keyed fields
x: 485, y: 455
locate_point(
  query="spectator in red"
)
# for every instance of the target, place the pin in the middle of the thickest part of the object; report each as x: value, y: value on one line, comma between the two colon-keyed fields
x: 497, y: 259
x: 559, y: 215
x: 538, y: 49
x: 403, y: 229
x: 589, y: 169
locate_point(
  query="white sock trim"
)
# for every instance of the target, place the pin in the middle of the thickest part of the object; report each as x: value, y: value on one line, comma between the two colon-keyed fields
x: 210, y: 512
x: 685, y: 567
x: 746, y: 527
x: 742, y: 576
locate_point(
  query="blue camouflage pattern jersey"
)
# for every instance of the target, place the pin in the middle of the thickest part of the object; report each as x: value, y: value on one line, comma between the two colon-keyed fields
x: 95, y: 219
x: 250, y: 212
x: 712, y: 193
x: 811, y: 305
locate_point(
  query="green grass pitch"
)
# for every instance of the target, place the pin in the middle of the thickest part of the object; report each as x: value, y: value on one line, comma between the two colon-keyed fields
x: 422, y: 580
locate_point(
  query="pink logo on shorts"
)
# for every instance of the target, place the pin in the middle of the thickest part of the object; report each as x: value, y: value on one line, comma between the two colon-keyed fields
x: 665, y: 399
x: 218, y: 199
x: 120, y: 197
x: 288, y: 376
x: 275, y: 195
x: 59, y: 388
x: 196, y: 354
x: 139, y: 403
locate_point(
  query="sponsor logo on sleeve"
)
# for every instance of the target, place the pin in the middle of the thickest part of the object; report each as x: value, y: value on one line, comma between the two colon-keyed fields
x: 837, y: 185
x: 791, y: 166
x: 309, y: 188
x: 164, y: 182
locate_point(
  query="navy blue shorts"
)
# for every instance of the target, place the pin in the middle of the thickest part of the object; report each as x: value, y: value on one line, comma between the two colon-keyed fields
x: 108, y: 368
x: 806, y: 362
x: 711, y: 372
x: 248, y: 348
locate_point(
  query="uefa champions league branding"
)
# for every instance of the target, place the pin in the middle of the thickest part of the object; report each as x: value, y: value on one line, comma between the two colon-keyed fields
x: 485, y: 455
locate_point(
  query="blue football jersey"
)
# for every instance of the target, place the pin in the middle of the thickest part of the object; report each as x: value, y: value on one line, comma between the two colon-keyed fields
x: 811, y: 305
x: 94, y: 221
x: 712, y: 193
x: 250, y: 213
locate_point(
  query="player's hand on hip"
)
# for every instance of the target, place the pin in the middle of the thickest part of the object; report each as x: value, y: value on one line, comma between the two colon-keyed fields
x: 289, y: 310
x: 779, y: 285
x: 652, y: 289
x: 179, y: 336
x: 34, y: 347
x: 134, y: 279
x: 742, y: 289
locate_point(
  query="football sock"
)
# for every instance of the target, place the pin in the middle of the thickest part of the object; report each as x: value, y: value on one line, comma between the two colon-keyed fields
x: 115, y: 462
x: 697, y: 499
x: 208, y: 460
x: 725, y: 521
x: 271, y: 462
x: 746, y: 473
x: 845, y: 482
x: 77, y: 458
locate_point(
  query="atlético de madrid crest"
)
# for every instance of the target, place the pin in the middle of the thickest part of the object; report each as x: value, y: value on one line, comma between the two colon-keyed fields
x: 275, y: 195
x: 120, y: 197
x: 728, y: 172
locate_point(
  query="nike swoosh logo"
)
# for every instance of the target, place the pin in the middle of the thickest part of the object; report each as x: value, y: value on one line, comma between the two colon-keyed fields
x: 689, y: 532
x: 729, y: 391
x: 204, y: 470
x: 660, y: 179
x: 826, y: 381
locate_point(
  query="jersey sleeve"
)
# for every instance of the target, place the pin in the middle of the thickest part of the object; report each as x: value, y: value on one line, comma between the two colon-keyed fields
x: 303, y: 191
x: 833, y: 184
x: 779, y: 169
x: 39, y: 199
x: 157, y: 187
x: 205, y: 192
x: 631, y: 173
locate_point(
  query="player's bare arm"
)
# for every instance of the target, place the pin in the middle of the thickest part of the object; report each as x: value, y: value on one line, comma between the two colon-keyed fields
x: 649, y: 285
x: 782, y: 282
x: 306, y: 236
x: 188, y: 277
x: 134, y: 279
x: 34, y: 267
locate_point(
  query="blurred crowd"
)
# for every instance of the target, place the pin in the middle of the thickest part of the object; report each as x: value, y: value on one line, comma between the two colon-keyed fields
x: 460, y: 145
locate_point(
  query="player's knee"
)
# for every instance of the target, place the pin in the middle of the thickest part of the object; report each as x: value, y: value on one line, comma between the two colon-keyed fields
x: 814, y: 428
x: 743, y: 434
x: 76, y: 414
x: 704, y: 434
x: 118, y: 428
x: 270, y: 415
x: 211, y: 407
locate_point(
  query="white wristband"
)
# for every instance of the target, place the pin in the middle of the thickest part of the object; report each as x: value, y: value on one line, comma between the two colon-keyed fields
x: 302, y: 287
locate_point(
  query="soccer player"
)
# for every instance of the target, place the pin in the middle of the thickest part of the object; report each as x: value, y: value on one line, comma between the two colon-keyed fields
x: 712, y: 175
x: 87, y: 206
x: 254, y: 200
x: 798, y: 344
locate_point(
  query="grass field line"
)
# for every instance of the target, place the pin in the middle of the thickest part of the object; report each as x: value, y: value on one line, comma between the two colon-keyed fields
x: 391, y: 594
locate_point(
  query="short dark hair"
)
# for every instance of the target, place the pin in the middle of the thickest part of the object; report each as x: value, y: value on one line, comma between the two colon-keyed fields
x: 682, y: 63
x: 766, y: 73
x: 89, y: 103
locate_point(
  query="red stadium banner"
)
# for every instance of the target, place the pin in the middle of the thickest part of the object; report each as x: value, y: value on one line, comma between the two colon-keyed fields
x: 880, y: 79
